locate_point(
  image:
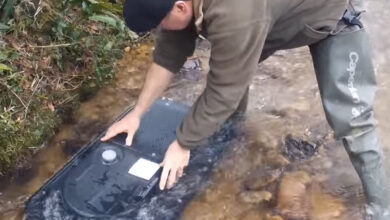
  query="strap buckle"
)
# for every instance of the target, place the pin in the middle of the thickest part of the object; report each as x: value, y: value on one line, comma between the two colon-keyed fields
x: 352, y: 17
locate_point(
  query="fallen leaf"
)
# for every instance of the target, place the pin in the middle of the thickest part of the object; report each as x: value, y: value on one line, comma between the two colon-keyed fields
x: 51, y: 106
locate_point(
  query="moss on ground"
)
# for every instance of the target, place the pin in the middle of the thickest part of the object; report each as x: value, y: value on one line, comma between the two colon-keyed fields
x: 52, y: 55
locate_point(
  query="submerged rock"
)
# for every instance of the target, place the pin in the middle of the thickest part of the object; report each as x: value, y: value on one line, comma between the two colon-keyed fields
x: 273, y: 217
x: 252, y: 214
x: 296, y: 149
x: 255, y: 196
x: 324, y: 206
x: 301, y: 199
x: 291, y: 195
x: 261, y: 179
x: 276, y: 160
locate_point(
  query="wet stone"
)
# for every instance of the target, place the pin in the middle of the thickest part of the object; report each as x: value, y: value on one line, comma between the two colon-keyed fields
x: 277, y: 160
x: 273, y: 217
x: 291, y: 196
x: 255, y: 196
x: 345, y: 185
x: 296, y: 149
x: 321, y: 163
x: 252, y: 214
x: 265, y: 141
x: 263, y: 178
x: 324, y: 206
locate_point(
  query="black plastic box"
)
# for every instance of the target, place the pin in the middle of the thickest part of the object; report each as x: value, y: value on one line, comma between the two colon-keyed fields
x: 92, y: 187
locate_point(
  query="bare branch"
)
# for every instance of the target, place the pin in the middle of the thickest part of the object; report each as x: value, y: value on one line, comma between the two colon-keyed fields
x: 12, y: 91
x: 52, y: 46
x: 32, y: 95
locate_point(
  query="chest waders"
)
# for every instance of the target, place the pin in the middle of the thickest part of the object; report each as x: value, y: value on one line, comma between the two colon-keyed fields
x: 347, y: 84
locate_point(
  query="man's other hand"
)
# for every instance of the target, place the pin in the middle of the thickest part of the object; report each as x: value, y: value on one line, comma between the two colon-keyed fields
x: 175, y: 160
x: 129, y: 124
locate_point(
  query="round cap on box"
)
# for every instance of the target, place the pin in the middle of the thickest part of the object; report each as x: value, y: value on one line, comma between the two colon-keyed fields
x: 109, y: 156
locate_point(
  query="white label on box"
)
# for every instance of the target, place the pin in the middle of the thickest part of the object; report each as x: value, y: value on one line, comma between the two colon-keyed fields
x: 144, y: 169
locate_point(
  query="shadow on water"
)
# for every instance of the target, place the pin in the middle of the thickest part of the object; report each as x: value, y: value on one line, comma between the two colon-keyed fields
x: 288, y: 167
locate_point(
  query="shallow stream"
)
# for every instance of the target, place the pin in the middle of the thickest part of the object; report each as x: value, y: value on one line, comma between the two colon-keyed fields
x: 262, y: 177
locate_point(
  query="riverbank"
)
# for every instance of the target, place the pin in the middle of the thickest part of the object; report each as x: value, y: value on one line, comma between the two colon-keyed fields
x: 53, y: 55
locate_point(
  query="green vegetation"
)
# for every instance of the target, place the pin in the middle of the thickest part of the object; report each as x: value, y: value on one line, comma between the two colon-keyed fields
x: 52, y: 55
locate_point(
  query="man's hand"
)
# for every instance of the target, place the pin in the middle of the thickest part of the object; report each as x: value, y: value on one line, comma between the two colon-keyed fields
x: 129, y: 124
x: 157, y: 80
x: 175, y: 160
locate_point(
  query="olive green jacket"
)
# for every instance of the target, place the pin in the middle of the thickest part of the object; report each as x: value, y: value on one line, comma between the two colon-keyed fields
x: 240, y: 33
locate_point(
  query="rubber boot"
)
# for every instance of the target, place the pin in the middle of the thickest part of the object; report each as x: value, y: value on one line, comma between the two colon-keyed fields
x: 347, y: 84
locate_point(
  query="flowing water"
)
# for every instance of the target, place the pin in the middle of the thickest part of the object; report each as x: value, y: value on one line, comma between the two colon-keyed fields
x: 288, y: 167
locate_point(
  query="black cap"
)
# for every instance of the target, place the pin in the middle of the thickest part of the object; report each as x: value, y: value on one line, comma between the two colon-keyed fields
x: 144, y: 15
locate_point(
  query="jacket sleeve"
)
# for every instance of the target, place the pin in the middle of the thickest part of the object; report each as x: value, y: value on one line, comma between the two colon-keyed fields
x: 235, y: 53
x: 173, y: 47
